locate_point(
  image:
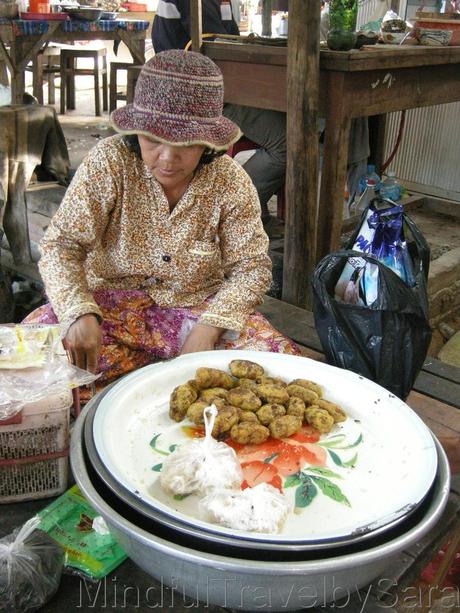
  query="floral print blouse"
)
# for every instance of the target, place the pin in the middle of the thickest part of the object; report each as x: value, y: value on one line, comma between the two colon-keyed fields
x: 114, y: 230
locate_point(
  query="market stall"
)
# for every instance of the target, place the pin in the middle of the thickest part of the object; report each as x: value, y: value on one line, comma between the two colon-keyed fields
x: 371, y: 81
x: 21, y: 40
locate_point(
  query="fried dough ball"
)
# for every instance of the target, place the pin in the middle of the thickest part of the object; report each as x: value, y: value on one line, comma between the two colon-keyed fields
x: 248, y: 433
x: 284, y: 426
x: 226, y: 418
x: 319, y: 419
x: 245, y: 369
x: 337, y: 413
x: 296, y: 406
x: 244, y: 398
x: 212, y: 393
x: 272, y: 392
x: 193, y: 384
x: 271, y: 380
x: 268, y: 412
x: 212, y: 377
x: 195, y: 410
x: 311, y: 385
x: 248, y: 384
x: 305, y: 394
x: 181, y: 398
x: 246, y: 416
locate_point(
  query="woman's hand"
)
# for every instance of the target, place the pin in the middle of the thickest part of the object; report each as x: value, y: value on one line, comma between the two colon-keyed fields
x: 83, y: 341
x: 202, y: 338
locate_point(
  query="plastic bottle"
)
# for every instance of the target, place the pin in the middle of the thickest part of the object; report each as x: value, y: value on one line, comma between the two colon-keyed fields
x: 358, y: 206
x: 390, y: 187
x: 370, y: 174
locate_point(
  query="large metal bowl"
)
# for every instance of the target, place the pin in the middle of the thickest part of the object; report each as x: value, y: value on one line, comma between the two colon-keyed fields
x: 243, y: 583
x: 84, y: 13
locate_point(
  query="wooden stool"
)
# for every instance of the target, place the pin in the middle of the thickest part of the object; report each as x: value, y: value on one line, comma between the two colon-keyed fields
x: 69, y: 71
x: 245, y: 144
x: 113, y: 87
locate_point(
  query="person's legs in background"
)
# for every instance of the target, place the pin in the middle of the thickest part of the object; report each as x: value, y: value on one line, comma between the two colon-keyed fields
x: 267, y: 167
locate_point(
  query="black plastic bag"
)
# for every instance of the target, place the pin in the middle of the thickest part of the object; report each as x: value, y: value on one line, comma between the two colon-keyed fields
x: 388, y: 340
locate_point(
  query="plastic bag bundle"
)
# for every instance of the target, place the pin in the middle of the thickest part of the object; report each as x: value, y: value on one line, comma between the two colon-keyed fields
x: 387, y: 340
x: 258, y: 509
x: 381, y: 234
x: 201, y: 464
x: 30, y: 569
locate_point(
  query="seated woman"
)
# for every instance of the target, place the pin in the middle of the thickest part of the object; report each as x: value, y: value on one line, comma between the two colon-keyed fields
x: 158, y: 247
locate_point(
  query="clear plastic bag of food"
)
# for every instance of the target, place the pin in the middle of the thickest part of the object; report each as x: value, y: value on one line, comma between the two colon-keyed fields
x: 258, y: 509
x: 29, y: 345
x: 201, y: 464
x: 30, y: 568
x: 22, y: 386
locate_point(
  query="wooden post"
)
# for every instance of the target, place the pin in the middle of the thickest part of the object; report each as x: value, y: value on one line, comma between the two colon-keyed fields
x: 302, y: 151
x: 266, y: 17
x: 196, y: 25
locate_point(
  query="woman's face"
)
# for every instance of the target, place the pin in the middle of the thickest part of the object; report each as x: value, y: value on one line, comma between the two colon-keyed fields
x: 172, y: 166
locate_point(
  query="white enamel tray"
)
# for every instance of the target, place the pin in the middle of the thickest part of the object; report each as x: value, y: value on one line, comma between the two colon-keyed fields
x: 370, y: 470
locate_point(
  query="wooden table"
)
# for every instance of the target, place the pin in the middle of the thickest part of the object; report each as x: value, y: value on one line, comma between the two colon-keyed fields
x: 18, y: 49
x: 374, y: 80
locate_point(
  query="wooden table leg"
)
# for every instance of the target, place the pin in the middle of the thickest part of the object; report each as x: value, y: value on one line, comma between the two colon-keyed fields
x: 3, y: 73
x: 135, y: 47
x: 377, y: 128
x: 334, y: 171
x: 6, y: 296
x: 15, y: 223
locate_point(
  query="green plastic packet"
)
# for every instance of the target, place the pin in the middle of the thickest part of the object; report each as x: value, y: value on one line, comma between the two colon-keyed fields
x: 69, y: 521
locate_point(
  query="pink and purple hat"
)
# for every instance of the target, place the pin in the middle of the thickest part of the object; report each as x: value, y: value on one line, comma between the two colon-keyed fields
x: 178, y: 100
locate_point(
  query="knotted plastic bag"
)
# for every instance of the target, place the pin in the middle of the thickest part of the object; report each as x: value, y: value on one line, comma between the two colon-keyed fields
x: 30, y: 569
x: 258, y: 509
x: 201, y: 464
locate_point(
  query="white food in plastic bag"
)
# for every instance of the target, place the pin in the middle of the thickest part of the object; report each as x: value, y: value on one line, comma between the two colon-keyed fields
x: 258, y: 509
x: 201, y: 464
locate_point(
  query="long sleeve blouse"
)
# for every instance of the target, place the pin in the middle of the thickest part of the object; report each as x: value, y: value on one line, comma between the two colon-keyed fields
x: 114, y: 230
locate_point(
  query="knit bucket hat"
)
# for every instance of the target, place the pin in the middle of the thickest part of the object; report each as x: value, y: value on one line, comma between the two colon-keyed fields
x: 178, y: 100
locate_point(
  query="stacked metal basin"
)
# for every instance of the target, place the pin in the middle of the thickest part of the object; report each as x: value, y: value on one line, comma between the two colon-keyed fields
x: 231, y: 570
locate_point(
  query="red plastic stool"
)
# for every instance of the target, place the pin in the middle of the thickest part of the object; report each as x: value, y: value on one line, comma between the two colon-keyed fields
x: 245, y: 144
